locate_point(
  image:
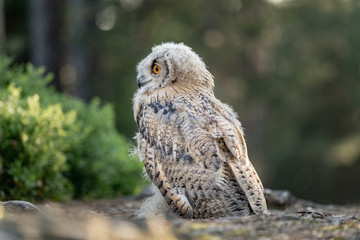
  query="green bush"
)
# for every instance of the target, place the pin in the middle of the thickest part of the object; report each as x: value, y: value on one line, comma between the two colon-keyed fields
x: 54, y: 146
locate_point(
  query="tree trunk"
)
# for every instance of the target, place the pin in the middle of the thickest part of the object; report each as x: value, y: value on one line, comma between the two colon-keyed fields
x: 2, y: 28
x: 44, y: 36
x: 78, y: 71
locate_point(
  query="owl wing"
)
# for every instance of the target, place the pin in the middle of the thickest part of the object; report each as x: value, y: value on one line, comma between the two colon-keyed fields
x: 178, y: 203
x: 229, y: 129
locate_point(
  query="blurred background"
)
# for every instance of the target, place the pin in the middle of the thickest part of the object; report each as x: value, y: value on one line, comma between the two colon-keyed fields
x: 290, y: 68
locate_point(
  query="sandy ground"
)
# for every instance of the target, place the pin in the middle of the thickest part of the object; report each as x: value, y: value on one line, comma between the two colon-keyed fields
x: 291, y: 218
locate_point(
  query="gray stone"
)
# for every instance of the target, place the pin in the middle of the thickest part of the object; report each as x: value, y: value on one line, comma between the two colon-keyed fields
x: 19, y: 207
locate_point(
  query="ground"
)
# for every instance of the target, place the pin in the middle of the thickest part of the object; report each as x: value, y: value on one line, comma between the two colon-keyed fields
x: 291, y: 218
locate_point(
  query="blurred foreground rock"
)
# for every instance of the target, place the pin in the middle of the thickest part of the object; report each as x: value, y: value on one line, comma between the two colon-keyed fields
x: 19, y: 207
x: 291, y: 218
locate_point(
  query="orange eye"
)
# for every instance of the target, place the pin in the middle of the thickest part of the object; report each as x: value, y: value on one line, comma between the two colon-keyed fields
x: 156, y: 69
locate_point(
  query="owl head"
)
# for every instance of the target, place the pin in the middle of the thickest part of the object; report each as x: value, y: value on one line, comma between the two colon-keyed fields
x: 171, y: 64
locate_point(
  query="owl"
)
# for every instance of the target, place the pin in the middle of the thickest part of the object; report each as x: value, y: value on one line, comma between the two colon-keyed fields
x: 192, y: 145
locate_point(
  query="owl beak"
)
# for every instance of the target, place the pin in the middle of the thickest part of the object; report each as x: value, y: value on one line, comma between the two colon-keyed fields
x: 141, y: 81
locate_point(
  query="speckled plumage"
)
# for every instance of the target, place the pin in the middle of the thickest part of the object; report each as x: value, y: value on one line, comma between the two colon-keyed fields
x: 192, y: 145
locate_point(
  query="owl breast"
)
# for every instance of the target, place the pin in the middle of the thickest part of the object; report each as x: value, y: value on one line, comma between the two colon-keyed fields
x: 180, y: 134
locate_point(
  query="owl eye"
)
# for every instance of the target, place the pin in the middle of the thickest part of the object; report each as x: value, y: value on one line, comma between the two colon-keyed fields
x: 156, y: 69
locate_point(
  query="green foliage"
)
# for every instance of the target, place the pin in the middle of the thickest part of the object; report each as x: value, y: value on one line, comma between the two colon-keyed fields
x: 53, y: 146
x: 100, y: 163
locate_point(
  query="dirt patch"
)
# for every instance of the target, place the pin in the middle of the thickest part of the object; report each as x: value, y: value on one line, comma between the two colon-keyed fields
x: 291, y: 218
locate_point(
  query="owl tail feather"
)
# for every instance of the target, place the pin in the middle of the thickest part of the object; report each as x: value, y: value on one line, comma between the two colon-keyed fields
x: 250, y: 183
x: 178, y: 203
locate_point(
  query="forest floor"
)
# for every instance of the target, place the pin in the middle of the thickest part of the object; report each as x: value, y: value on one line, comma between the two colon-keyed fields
x: 290, y: 218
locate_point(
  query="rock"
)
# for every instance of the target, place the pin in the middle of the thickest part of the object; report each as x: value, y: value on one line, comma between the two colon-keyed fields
x: 278, y: 198
x: 19, y: 207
